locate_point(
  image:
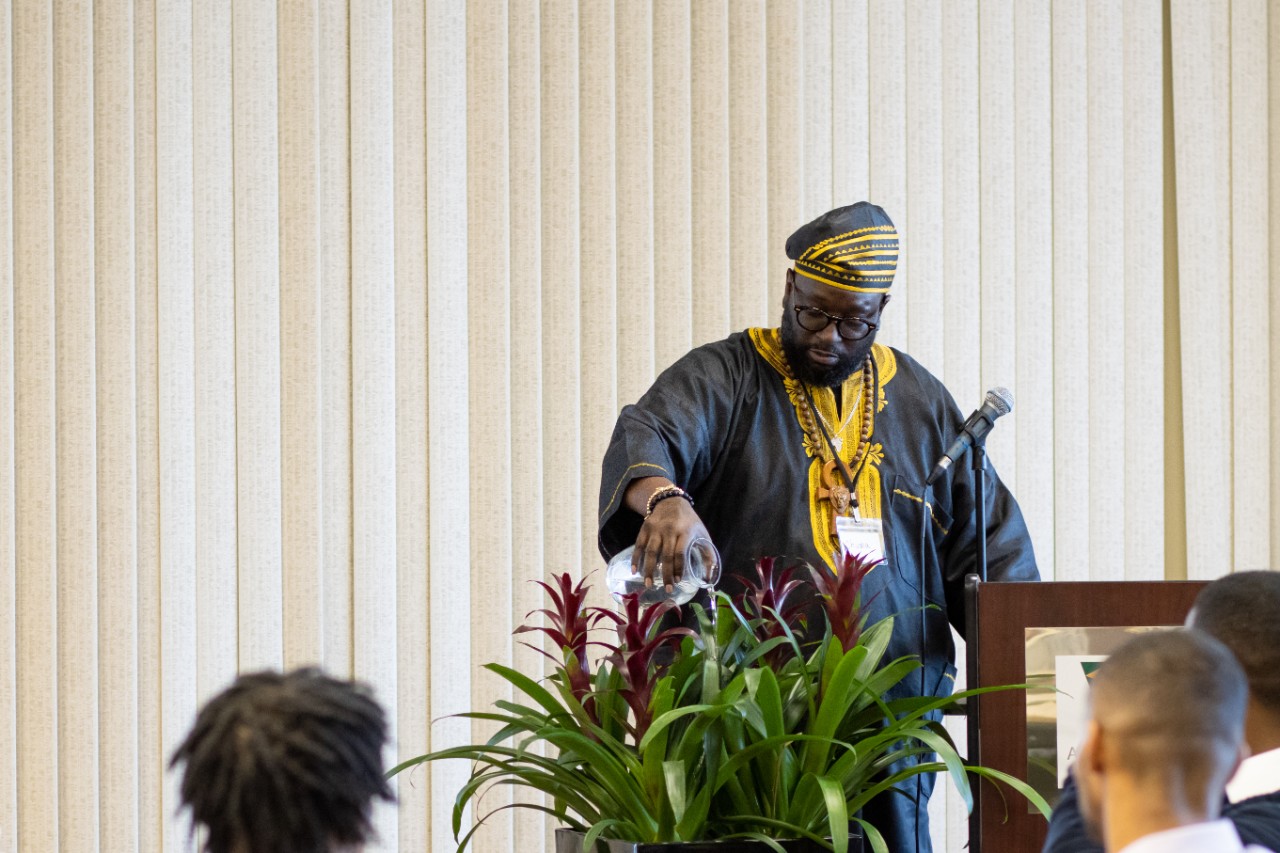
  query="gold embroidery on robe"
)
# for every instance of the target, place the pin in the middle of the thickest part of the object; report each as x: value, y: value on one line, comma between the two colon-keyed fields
x: 768, y: 342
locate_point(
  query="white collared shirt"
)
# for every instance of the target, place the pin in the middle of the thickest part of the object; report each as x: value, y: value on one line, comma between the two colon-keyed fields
x: 1258, y: 774
x: 1215, y: 836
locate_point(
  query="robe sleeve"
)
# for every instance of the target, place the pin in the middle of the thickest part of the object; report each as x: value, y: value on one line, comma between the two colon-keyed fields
x: 677, y: 430
x: 1009, y: 553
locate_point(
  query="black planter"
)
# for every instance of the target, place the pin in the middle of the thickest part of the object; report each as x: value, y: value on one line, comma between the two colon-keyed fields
x: 570, y: 841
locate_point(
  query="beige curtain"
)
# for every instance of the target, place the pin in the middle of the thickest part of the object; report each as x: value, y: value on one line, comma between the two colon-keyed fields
x: 315, y: 318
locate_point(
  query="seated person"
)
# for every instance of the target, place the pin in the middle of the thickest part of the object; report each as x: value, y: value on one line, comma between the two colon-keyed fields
x: 285, y: 762
x: 1165, y: 734
x: 1242, y: 611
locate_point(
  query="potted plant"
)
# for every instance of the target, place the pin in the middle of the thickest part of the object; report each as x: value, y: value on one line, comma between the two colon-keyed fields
x: 735, y: 730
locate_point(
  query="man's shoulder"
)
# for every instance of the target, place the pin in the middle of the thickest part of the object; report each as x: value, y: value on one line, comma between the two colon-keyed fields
x: 732, y: 351
x: 900, y: 373
x: 734, y: 342
x: 906, y: 366
x: 720, y: 364
x: 1257, y: 819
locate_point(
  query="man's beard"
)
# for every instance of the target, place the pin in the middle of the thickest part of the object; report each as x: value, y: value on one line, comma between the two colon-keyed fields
x: 811, y: 374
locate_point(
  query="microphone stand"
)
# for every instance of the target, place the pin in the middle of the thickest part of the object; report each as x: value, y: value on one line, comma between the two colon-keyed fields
x: 979, y: 576
x: 979, y: 464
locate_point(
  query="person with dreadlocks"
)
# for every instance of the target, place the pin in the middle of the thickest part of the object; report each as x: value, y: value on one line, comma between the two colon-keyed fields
x: 809, y: 438
x: 285, y: 761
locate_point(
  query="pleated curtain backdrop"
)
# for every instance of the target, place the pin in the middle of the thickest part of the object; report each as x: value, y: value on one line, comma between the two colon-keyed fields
x: 315, y: 318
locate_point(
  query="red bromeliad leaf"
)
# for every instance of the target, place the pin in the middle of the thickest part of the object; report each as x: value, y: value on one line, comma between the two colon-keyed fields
x: 841, y: 596
x: 637, y: 651
x: 765, y: 602
x: 772, y: 592
x: 570, y: 622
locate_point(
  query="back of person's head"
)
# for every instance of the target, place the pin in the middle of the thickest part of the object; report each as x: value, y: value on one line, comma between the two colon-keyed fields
x: 1242, y: 611
x: 285, y: 761
x: 1171, y: 704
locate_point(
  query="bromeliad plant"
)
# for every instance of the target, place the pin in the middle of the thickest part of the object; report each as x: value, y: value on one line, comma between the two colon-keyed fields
x: 735, y: 730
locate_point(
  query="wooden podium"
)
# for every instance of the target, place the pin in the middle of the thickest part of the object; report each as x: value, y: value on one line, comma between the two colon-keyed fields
x: 998, y: 616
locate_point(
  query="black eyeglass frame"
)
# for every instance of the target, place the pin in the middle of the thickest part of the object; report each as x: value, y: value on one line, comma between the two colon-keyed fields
x: 840, y: 322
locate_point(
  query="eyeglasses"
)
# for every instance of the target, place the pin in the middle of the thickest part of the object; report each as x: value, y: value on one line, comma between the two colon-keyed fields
x: 850, y: 328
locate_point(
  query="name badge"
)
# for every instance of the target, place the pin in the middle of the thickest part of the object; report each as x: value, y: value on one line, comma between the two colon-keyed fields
x: 861, y: 536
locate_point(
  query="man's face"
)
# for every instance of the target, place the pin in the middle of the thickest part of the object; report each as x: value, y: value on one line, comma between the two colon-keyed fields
x: 823, y: 357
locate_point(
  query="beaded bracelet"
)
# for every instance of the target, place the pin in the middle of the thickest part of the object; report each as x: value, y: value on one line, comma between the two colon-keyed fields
x: 661, y: 494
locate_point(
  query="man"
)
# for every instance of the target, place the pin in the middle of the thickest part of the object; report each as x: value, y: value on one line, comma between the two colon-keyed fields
x: 1242, y: 611
x: 285, y: 762
x: 1165, y: 735
x: 800, y: 440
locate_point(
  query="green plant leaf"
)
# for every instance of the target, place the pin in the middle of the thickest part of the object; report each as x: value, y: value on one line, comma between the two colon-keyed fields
x: 595, y: 832
x: 741, y: 757
x: 920, y: 706
x: 529, y: 687
x: 761, y: 650
x: 797, y: 738
x: 1017, y: 784
x: 771, y: 843
x: 693, y: 743
x: 781, y: 826
x: 660, y: 724
x: 769, y: 701
x: 869, y: 793
x: 946, y: 750
x: 621, y: 777
x: 872, y: 836
x: 838, y: 815
x: 673, y: 773
x: 654, y: 749
x: 692, y: 825
x: 831, y: 709
x: 876, y: 641
x: 466, y: 840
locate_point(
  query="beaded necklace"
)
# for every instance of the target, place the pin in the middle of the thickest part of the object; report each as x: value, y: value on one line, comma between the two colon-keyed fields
x: 842, y: 496
x: 818, y: 434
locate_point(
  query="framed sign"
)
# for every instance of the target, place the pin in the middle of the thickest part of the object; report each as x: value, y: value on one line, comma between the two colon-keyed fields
x: 1062, y: 661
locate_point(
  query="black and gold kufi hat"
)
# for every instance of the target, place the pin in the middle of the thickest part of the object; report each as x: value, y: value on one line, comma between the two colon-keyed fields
x: 854, y: 248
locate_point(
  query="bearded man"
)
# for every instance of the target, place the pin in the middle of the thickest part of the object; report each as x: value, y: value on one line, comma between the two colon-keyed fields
x: 809, y: 438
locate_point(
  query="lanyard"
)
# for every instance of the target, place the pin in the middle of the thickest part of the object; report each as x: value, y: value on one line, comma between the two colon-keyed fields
x: 850, y: 478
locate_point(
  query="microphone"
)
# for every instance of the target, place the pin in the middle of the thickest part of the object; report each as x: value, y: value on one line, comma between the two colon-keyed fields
x: 999, y: 401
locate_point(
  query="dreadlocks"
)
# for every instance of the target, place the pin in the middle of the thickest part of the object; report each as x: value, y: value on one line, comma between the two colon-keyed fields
x: 285, y: 762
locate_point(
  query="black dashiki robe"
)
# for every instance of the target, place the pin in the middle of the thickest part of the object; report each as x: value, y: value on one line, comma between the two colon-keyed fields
x: 723, y: 423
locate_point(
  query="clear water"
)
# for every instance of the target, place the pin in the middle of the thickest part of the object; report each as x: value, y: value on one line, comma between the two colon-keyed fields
x: 681, y: 593
x: 622, y: 579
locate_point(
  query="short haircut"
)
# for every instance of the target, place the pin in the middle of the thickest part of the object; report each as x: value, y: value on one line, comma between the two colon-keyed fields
x: 1174, y: 702
x: 1242, y: 611
x: 285, y: 761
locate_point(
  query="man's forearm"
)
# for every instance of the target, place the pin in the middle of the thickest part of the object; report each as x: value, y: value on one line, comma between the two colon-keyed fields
x: 637, y: 494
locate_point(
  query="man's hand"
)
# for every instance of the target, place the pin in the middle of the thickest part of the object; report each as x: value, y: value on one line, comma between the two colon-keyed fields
x: 666, y: 533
